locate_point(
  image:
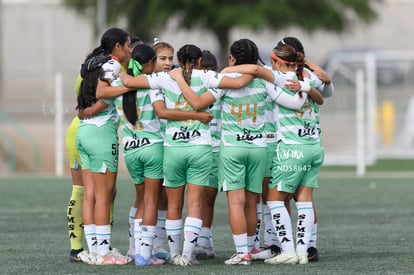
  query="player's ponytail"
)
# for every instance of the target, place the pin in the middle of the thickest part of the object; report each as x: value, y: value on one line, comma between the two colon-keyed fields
x: 141, y: 55
x: 188, y: 56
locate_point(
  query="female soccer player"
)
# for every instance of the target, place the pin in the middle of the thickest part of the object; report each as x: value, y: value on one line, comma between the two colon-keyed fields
x: 97, y: 142
x: 243, y: 146
x: 187, y: 150
x: 205, y: 249
x: 165, y: 56
x: 326, y: 90
x: 143, y: 150
x: 289, y: 64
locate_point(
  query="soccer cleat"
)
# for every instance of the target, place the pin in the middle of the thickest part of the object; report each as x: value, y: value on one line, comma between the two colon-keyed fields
x: 204, y: 253
x: 112, y: 258
x: 302, y: 257
x: 266, y: 253
x: 91, y: 258
x: 140, y: 261
x: 255, y: 250
x: 161, y: 253
x: 78, y: 255
x: 284, y: 258
x: 116, y: 252
x: 210, y: 252
x: 186, y: 261
x: 313, y: 255
x: 239, y: 259
x: 131, y: 254
x: 200, y: 254
x: 176, y: 260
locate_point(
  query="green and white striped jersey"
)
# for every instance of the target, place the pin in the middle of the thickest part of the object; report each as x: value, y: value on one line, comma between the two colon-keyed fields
x: 215, y: 125
x: 189, y: 132
x: 147, y: 129
x: 111, y: 70
x: 270, y: 120
x: 297, y: 126
x: 242, y: 114
x: 321, y: 87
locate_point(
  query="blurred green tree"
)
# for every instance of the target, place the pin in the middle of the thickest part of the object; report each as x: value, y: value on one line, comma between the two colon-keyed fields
x: 145, y: 18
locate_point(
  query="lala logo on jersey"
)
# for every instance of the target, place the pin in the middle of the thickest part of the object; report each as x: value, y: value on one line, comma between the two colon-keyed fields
x: 135, y: 143
x: 307, y: 130
x: 185, y: 135
x: 247, y: 136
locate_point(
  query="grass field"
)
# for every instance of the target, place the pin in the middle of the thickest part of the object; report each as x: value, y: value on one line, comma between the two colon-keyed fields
x: 365, y: 227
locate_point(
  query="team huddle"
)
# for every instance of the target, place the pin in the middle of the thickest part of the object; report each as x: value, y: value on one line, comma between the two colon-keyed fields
x: 251, y: 131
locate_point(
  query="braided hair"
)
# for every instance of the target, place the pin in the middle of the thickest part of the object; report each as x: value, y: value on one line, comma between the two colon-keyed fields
x: 295, y: 43
x: 290, y: 57
x: 245, y: 51
x: 188, y: 55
